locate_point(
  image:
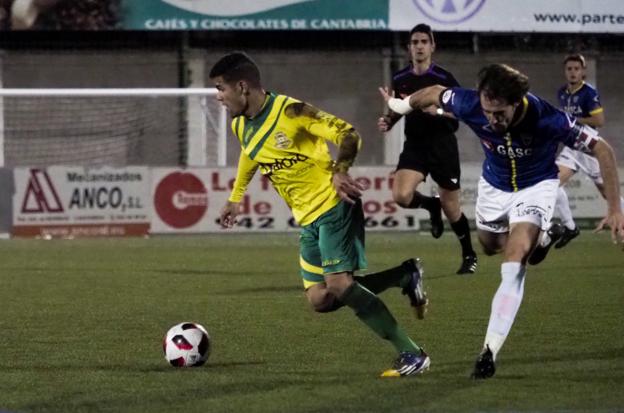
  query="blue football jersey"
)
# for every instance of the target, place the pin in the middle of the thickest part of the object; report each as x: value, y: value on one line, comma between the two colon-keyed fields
x: 581, y: 102
x: 525, y: 154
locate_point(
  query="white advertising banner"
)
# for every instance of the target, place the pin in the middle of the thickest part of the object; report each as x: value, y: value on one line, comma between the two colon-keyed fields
x: 189, y: 201
x: 67, y: 202
x: 571, y: 16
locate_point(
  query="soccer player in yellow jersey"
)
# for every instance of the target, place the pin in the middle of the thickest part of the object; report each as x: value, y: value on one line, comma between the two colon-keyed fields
x: 286, y: 140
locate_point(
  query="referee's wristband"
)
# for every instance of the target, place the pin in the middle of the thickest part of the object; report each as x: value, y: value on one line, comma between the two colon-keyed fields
x: 400, y: 106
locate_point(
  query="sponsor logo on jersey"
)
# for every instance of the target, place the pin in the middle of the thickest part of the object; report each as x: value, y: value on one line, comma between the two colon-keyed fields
x: 282, y: 141
x: 513, y: 153
x: 284, y: 163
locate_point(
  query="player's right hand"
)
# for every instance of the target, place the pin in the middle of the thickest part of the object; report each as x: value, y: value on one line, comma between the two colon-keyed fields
x: 348, y: 189
x: 615, y: 221
x: 384, y: 123
x: 227, y: 216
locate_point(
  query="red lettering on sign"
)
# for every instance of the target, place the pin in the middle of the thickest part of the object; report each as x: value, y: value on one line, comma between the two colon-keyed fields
x: 181, y: 199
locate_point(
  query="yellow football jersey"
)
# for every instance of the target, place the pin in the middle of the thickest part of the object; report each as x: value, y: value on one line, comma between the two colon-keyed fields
x: 287, y: 142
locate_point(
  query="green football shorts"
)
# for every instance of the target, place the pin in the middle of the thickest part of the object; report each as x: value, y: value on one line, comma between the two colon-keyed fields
x: 333, y: 243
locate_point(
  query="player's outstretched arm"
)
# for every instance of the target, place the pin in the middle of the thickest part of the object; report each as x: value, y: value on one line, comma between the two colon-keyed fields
x: 608, y: 167
x: 417, y: 100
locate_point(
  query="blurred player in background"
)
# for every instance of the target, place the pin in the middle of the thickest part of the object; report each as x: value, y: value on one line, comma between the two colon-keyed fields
x: 520, y: 134
x: 287, y: 140
x: 430, y: 147
x: 579, y: 99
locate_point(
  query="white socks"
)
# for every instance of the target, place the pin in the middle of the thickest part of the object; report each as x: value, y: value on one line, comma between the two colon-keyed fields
x: 505, y: 305
x: 562, y: 207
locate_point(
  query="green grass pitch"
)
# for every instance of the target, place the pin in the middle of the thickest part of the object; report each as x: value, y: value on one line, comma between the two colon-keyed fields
x: 82, y: 323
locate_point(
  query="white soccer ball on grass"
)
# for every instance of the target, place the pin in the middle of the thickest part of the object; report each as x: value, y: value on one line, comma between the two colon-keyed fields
x: 187, y: 345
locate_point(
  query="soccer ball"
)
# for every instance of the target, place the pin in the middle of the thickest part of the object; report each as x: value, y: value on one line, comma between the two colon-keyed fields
x: 186, y: 345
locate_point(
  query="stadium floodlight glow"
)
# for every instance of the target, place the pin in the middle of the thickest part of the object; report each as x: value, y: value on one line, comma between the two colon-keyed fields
x: 112, y: 126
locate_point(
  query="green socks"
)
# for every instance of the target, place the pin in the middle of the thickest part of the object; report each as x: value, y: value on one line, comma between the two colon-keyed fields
x: 374, y: 313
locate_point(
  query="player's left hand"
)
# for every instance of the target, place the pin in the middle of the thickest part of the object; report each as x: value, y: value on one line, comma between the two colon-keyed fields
x: 348, y: 189
x: 385, y: 93
x: 616, y: 223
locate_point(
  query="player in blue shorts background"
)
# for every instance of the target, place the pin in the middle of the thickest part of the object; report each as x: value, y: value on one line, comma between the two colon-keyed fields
x: 519, y: 134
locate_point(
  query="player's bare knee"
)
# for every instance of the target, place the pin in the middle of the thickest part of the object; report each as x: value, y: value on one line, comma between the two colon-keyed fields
x: 321, y: 300
x: 403, y: 199
x: 328, y: 305
x: 492, y: 243
x: 489, y: 251
x: 451, y: 206
x: 490, y: 247
x: 337, y: 290
x: 338, y: 283
x: 452, y: 212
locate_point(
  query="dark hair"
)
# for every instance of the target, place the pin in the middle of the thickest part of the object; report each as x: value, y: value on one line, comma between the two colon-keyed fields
x: 500, y: 81
x: 575, y: 57
x: 422, y: 28
x: 236, y: 66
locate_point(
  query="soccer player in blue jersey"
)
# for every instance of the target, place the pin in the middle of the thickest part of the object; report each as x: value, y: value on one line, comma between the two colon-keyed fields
x: 430, y: 147
x: 519, y: 134
x: 581, y: 100
x: 286, y: 140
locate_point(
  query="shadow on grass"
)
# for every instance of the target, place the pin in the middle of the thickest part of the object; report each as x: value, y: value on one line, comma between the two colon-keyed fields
x: 155, y: 398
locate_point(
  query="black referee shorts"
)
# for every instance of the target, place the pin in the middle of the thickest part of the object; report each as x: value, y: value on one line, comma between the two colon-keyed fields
x: 438, y: 158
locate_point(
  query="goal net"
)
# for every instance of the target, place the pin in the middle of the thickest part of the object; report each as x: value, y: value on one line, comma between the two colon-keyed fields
x: 112, y: 127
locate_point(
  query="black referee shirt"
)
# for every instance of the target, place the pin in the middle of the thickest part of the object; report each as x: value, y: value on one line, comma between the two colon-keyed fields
x: 420, y: 126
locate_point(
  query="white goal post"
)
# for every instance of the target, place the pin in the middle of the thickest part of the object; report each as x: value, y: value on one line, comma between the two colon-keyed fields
x: 121, y: 124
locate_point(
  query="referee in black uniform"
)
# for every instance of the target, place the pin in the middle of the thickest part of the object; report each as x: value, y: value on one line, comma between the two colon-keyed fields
x: 430, y: 147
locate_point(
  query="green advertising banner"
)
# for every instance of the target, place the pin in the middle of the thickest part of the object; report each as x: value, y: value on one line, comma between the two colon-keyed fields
x: 255, y: 15
x: 94, y: 15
